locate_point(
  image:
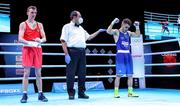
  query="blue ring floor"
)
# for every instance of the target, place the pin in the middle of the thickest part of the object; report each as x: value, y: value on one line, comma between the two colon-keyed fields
x: 148, y: 97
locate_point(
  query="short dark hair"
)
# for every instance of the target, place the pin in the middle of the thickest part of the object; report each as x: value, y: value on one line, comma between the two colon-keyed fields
x: 127, y: 21
x: 31, y: 7
x: 73, y: 13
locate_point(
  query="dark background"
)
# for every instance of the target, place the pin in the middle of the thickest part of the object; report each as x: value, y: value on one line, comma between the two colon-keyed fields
x: 164, y: 6
x: 167, y: 7
x: 96, y: 14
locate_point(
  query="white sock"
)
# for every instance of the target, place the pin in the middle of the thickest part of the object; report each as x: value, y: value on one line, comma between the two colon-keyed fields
x: 24, y: 91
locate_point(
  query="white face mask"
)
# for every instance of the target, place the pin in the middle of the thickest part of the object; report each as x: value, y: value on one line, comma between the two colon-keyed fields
x: 80, y: 21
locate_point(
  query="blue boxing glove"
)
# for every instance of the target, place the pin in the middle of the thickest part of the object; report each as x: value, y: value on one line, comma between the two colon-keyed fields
x: 101, y: 30
x: 67, y: 58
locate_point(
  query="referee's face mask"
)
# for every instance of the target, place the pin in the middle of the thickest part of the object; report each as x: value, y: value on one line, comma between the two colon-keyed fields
x: 79, y: 19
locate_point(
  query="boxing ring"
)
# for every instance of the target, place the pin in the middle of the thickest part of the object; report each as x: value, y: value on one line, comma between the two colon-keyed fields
x: 148, y: 96
x: 153, y: 28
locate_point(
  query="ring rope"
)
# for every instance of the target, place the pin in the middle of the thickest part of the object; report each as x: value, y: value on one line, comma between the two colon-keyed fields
x: 59, y: 66
x: 57, y: 54
x: 53, y: 66
x: 106, y: 65
x: 92, y: 76
x: 162, y: 64
x: 52, y: 44
x: 62, y: 54
x: 157, y: 53
x: 56, y: 44
x: 163, y: 41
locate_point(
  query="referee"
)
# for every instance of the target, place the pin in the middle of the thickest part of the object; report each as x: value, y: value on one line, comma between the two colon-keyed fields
x: 73, y: 39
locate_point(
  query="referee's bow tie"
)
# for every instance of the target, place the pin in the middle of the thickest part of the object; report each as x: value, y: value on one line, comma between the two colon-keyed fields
x: 77, y: 25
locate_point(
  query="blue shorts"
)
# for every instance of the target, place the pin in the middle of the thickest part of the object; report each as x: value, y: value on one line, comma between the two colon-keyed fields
x: 124, y: 64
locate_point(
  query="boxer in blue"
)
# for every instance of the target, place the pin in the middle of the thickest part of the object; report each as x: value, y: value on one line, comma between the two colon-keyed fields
x: 124, y: 65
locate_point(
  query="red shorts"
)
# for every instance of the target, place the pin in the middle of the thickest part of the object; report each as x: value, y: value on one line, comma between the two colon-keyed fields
x: 32, y: 56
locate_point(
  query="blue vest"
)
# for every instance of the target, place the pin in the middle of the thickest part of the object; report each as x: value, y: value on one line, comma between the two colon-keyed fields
x: 123, y: 42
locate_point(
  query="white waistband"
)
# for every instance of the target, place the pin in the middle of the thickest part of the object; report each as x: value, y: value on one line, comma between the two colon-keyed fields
x: 123, y: 51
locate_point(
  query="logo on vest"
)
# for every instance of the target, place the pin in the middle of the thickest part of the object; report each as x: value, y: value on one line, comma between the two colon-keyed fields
x: 125, y: 44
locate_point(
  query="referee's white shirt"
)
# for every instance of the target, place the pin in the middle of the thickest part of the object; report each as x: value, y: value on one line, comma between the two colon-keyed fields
x: 74, y: 36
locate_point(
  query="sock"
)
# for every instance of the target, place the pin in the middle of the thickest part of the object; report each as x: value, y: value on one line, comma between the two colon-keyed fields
x: 130, y: 90
x: 24, y: 92
x: 40, y: 91
x: 116, y: 90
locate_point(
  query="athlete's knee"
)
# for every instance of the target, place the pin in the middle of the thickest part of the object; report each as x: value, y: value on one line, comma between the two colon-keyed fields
x: 38, y: 72
x: 26, y: 73
x: 118, y: 77
x: 38, y: 75
x: 130, y: 77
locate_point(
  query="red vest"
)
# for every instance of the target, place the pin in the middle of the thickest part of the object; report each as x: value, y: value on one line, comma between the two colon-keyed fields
x: 32, y: 34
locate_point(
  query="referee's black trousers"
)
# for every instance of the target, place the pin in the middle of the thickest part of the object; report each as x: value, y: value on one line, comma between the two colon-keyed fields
x: 76, y: 66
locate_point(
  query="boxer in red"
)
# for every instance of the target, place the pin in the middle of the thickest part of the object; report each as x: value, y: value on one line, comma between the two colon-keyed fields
x: 165, y: 26
x: 31, y: 34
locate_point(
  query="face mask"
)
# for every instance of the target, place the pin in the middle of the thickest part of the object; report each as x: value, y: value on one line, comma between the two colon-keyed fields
x: 80, y: 20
